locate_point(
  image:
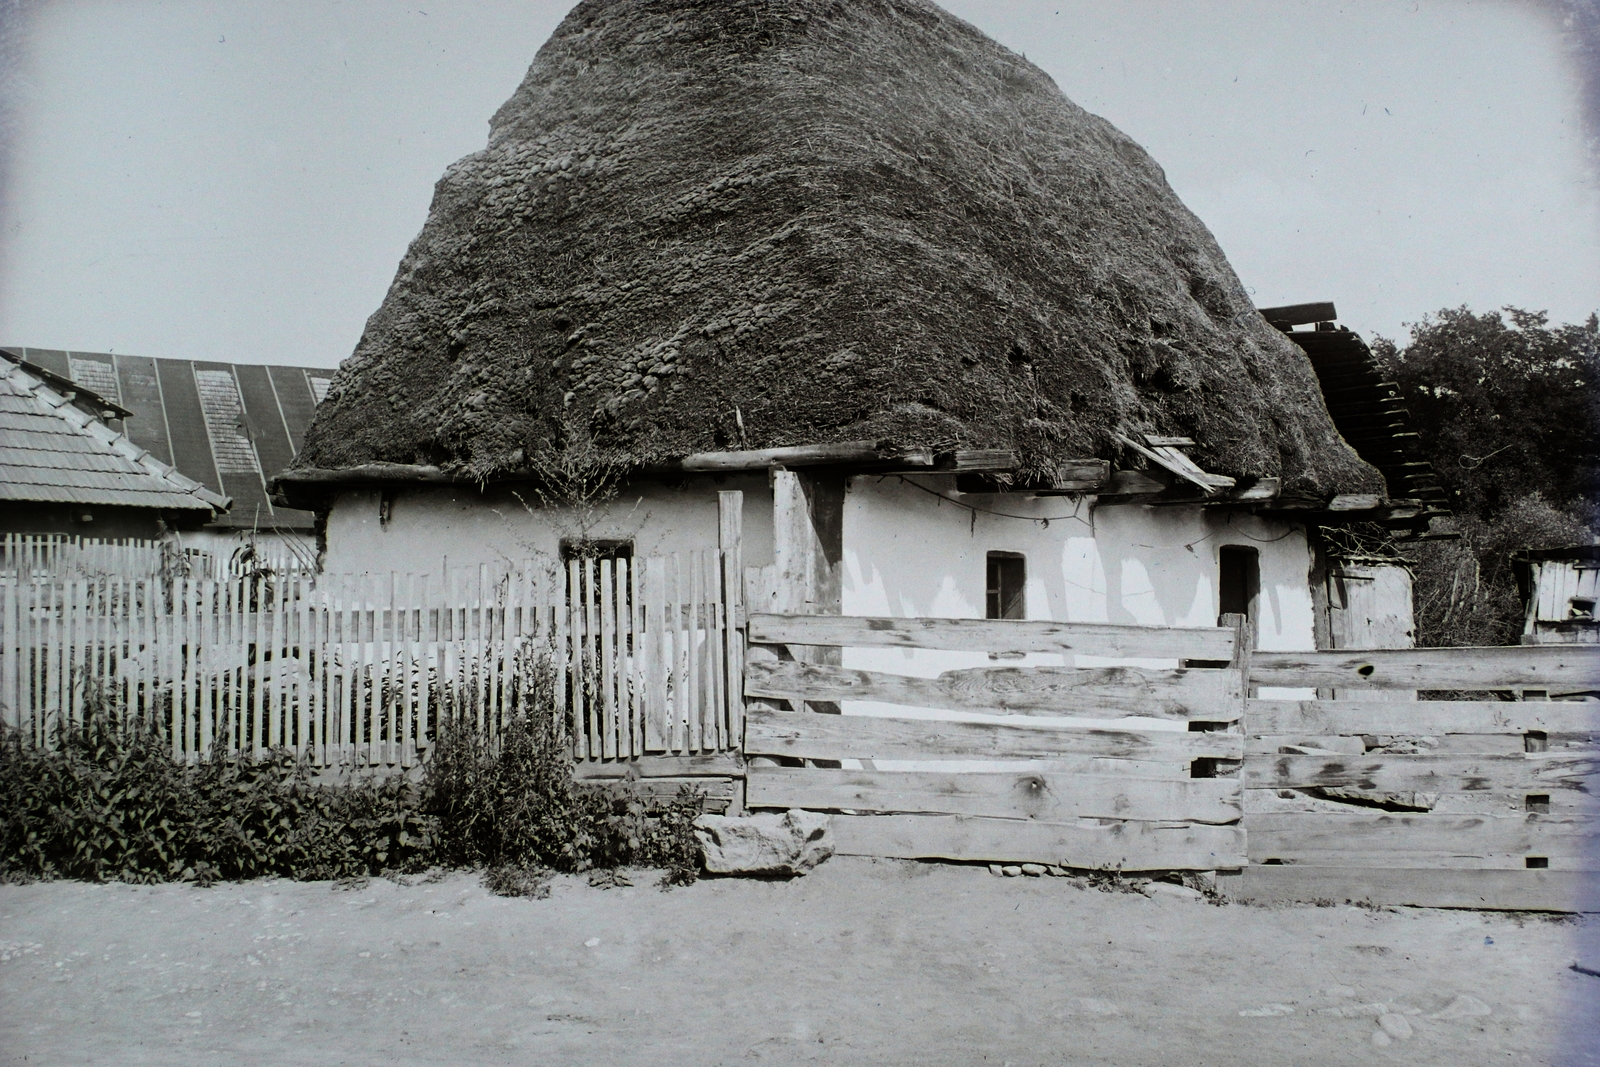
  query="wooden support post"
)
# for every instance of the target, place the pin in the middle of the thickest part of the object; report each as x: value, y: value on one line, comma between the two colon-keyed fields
x: 1243, y: 646
x: 808, y: 551
x: 730, y: 540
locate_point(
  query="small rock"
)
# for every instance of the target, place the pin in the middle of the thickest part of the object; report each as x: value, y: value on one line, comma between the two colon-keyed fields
x: 995, y: 869
x: 1381, y: 1039
x: 1056, y: 872
x: 1168, y: 891
x: 1267, y: 1011
x: 1010, y: 871
x: 1033, y: 870
x: 1395, y: 1026
x: 1463, y: 1007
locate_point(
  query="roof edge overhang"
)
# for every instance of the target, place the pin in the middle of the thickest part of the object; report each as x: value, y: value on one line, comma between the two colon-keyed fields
x: 312, y: 488
x: 70, y: 391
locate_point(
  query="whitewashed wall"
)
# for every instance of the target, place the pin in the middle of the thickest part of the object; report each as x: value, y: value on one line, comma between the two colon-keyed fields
x: 907, y: 553
x: 428, y: 525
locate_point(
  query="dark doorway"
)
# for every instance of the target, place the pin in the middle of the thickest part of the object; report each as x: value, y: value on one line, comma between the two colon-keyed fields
x: 1239, y: 582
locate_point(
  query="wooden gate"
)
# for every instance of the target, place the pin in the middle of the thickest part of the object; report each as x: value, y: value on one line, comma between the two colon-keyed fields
x: 1019, y: 775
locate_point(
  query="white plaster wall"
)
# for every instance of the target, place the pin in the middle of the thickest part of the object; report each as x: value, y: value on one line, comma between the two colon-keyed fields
x: 499, y: 527
x: 909, y: 553
x: 270, y: 544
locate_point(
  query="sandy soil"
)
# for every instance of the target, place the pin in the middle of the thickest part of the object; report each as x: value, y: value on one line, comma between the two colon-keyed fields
x: 862, y: 962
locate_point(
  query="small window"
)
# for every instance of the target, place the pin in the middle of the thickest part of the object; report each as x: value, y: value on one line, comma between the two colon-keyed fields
x: 595, y: 548
x: 1004, y: 594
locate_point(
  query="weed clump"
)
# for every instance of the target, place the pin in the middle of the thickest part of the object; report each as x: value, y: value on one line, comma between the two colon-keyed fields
x: 510, y: 803
x: 108, y: 802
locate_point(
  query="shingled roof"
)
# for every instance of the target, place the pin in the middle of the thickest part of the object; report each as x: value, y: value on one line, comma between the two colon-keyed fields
x: 228, y: 426
x: 762, y: 223
x: 53, y: 451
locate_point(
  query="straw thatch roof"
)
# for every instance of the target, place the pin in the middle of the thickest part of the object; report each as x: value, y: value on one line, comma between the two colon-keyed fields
x: 754, y: 223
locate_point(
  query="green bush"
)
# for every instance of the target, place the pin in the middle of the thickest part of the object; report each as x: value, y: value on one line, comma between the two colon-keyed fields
x: 106, y: 801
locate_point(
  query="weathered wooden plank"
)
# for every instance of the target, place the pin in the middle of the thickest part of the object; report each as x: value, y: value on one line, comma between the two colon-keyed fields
x: 1474, y: 744
x: 1013, y: 795
x: 657, y: 649
x: 730, y: 541
x: 1531, y: 773
x: 843, y: 453
x: 607, y: 589
x: 1414, y: 858
x: 1289, y: 834
x: 985, y: 459
x: 688, y: 576
x: 1133, y: 483
x: 995, y: 635
x: 1080, y: 475
x: 1421, y: 717
x: 1300, y: 314
x: 1524, y: 890
x: 1574, y: 667
x: 1561, y: 802
x: 1104, y: 692
x: 717, y: 793
x: 1086, y: 844
x: 1180, y: 465
x: 810, y: 736
x: 725, y: 764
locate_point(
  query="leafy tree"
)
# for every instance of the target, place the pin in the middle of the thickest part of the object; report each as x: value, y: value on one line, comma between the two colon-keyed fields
x: 1505, y: 409
x: 1509, y: 415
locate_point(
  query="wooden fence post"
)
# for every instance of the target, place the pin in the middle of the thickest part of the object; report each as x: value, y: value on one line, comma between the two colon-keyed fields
x: 730, y: 540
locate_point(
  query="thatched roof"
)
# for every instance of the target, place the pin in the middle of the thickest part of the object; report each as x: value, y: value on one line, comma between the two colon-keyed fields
x: 754, y: 223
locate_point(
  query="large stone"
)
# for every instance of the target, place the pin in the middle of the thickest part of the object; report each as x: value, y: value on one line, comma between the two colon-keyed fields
x: 784, y: 844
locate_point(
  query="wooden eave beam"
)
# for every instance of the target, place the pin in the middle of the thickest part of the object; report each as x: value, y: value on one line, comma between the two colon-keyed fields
x: 1300, y: 314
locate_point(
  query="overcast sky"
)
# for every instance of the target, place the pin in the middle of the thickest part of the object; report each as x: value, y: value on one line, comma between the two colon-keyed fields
x: 228, y: 180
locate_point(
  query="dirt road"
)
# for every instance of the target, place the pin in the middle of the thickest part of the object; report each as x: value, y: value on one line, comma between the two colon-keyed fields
x: 863, y: 962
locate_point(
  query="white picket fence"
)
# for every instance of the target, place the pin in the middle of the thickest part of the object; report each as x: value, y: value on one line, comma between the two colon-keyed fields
x: 369, y: 669
x: 69, y: 555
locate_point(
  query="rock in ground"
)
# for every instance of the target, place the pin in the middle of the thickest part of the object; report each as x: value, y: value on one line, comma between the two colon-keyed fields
x: 1463, y: 1007
x: 769, y: 843
x: 1168, y: 891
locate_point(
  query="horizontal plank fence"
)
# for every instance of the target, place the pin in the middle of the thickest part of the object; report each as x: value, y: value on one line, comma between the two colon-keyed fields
x: 369, y: 668
x: 1084, y: 796
x: 1487, y: 801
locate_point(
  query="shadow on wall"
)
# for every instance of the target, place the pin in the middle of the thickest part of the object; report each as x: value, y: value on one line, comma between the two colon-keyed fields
x: 910, y: 553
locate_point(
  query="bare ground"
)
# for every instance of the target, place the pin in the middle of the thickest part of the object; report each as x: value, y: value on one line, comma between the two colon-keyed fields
x: 862, y: 962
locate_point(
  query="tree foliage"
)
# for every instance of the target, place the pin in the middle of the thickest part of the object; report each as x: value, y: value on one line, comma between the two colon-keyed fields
x: 1505, y: 408
x: 1509, y: 417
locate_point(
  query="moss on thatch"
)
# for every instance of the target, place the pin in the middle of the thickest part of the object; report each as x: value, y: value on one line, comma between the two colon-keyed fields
x: 752, y: 223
